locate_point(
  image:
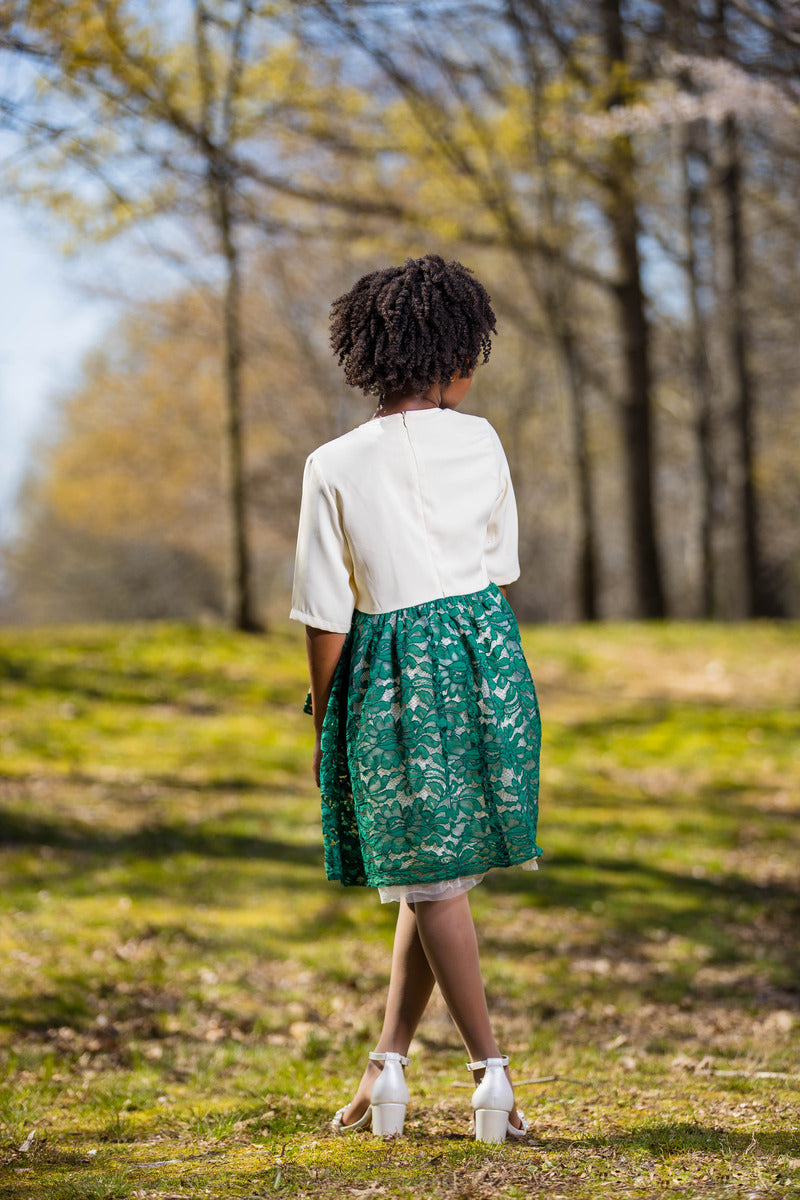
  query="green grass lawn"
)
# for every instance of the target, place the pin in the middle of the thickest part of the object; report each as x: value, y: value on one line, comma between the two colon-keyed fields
x: 185, y: 1000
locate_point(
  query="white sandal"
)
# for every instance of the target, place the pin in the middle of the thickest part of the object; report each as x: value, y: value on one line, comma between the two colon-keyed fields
x: 388, y: 1101
x: 493, y: 1101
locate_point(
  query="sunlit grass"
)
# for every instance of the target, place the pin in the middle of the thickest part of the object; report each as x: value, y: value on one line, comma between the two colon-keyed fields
x: 186, y: 1000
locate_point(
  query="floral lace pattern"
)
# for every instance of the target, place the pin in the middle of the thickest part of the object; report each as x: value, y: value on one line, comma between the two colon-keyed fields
x: 430, y: 745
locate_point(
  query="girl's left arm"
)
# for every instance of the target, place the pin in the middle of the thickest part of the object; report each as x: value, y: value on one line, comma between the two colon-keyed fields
x: 324, y: 650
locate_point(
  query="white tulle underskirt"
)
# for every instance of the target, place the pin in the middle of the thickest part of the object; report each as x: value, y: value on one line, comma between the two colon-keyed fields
x: 443, y: 890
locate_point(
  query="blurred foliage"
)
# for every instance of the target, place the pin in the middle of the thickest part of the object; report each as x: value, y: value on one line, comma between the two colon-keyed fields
x: 346, y: 134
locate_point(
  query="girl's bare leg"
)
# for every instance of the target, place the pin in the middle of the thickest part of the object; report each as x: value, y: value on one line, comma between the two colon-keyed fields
x: 447, y: 934
x: 410, y: 988
x: 435, y: 939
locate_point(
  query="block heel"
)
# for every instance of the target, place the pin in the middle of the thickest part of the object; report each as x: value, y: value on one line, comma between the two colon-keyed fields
x: 388, y: 1119
x: 493, y: 1101
x: 388, y: 1102
x: 389, y: 1095
x: 491, y: 1124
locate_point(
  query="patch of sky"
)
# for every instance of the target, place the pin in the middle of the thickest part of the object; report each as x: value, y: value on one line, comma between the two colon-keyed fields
x: 54, y: 309
x: 47, y: 323
x: 663, y: 279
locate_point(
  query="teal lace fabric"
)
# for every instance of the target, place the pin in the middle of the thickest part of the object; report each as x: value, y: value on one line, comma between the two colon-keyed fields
x: 430, y: 745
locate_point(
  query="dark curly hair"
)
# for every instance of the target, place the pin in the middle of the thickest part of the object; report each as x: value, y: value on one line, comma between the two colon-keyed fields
x: 406, y: 328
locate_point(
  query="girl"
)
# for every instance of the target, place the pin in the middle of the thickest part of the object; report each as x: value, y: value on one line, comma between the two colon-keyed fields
x: 427, y: 726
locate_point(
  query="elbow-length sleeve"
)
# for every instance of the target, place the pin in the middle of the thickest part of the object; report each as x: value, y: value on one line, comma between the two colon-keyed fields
x: 501, y: 550
x: 322, y: 591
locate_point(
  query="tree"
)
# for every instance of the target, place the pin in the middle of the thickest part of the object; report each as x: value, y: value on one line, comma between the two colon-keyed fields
x: 177, y: 112
x: 695, y: 222
x: 733, y: 286
x: 526, y: 136
x: 130, y: 482
x: 739, y: 60
x: 622, y: 213
x: 482, y: 116
x: 138, y: 120
x: 470, y: 83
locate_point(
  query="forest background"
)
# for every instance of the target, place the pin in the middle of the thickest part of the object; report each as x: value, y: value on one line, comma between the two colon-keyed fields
x: 623, y: 177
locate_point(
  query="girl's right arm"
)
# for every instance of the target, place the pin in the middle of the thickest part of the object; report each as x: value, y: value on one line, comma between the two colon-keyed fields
x: 324, y: 649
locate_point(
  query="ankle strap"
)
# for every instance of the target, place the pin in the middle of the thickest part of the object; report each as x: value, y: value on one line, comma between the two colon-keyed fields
x: 502, y: 1061
x: 389, y: 1056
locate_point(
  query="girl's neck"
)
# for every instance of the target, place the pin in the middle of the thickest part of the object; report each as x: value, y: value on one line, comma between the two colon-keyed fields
x: 417, y: 401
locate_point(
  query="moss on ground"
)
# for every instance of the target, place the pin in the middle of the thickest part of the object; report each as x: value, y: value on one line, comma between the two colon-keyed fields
x: 186, y: 1000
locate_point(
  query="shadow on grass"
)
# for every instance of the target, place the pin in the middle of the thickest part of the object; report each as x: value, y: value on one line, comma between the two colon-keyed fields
x: 666, y: 1140
x: 737, y: 921
x: 159, y: 839
x: 634, y: 895
x: 684, y: 1137
x: 580, y: 881
x: 699, y: 714
x: 150, y: 781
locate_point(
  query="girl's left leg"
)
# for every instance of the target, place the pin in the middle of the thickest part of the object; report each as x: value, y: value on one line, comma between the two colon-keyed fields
x: 410, y: 987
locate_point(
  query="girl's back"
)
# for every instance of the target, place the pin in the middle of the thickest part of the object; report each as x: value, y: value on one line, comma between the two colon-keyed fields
x: 409, y: 508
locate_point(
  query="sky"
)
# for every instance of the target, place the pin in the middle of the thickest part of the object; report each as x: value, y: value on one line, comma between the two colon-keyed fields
x: 48, y: 321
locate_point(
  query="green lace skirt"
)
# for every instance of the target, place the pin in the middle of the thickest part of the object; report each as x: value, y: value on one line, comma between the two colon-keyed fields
x: 430, y: 745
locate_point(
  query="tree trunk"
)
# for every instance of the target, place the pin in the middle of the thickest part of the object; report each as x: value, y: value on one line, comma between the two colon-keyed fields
x: 587, y: 581
x: 557, y: 307
x: 587, y: 536
x: 755, y: 601
x: 551, y: 285
x: 550, y: 289
x: 241, y: 602
x: 637, y: 384
x: 700, y: 377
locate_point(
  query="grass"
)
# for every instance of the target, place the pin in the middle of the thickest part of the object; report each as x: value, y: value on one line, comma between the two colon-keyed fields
x: 184, y: 999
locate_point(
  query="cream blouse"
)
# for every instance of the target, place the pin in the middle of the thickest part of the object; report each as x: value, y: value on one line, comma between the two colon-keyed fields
x: 401, y: 510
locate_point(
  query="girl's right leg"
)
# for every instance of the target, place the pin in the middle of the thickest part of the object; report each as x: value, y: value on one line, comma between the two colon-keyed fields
x: 447, y: 933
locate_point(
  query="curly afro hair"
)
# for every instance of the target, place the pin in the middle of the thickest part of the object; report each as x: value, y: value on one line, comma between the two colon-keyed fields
x: 404, y: 329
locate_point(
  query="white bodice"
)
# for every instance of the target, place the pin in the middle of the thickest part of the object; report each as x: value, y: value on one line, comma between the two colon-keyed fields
x: 401, y: 510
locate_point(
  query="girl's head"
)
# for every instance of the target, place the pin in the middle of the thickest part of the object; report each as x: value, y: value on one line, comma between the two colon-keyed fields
x: 402, y: 330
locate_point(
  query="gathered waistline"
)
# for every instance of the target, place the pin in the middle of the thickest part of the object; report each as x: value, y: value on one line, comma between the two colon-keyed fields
x: 492, y: 588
